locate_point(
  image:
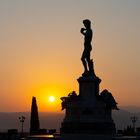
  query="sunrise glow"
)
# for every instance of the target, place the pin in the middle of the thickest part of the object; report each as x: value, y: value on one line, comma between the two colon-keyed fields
x: 41, y: 47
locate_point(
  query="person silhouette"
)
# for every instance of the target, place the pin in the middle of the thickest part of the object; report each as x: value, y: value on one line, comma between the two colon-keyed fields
x: 87, y: 32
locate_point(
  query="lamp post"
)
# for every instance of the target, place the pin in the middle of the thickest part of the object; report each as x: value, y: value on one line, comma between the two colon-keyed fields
x: 22, y: 119
x: 134, y: 119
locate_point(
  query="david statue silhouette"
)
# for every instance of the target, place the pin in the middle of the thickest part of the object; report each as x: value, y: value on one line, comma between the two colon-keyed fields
x: 87, y: 62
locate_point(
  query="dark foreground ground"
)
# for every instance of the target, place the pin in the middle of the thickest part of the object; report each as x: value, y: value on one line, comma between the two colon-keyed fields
x: 4, y: 136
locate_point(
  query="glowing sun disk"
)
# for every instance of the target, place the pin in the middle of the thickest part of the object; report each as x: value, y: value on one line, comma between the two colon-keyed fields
x: 51, y: 98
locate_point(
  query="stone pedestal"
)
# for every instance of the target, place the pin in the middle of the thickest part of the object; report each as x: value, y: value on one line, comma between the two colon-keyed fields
x: 87, y: 112
x: 89, y: 88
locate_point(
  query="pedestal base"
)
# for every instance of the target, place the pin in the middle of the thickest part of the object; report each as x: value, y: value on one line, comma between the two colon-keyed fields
x: 88, y: 128
x: 89, y: 112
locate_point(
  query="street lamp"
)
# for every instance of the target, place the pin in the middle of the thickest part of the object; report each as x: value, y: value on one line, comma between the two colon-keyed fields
x: 22, y: 119
x: 134, y: 119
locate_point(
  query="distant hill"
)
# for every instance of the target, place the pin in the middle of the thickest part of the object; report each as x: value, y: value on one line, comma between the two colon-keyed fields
x: 122, y: 117
x: 47, y: 120
x: 53, y: 120
x: 132, y: 109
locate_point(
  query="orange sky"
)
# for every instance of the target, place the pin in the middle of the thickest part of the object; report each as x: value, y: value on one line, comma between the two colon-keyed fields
x: 41, y: 46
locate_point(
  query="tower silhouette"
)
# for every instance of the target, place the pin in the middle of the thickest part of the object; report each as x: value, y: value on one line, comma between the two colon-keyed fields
x: 34, y: 121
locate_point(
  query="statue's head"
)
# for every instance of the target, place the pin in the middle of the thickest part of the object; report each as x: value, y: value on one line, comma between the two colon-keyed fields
x: 87, y: 23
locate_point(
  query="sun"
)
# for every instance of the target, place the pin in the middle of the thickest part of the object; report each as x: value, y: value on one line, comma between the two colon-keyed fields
x: 51, y: 98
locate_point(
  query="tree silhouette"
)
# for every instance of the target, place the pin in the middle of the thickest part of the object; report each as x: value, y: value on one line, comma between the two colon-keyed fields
x: 34, y: 121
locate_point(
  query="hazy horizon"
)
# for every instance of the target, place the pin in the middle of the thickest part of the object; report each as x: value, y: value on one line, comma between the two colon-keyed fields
x: 130, y: 109
x: 51, y: 120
